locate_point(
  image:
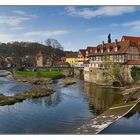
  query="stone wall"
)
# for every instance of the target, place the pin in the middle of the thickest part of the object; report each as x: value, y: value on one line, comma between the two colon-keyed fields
x: 106, y: 76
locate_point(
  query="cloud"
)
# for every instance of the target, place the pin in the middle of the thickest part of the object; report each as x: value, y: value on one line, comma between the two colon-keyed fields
x: 18, y: 28
x: 100, y: 11
x: 133, y: 24
x: 47, y: 33
x: 93, y: 29
x: 17, y: 19
x: 19, y: 12
x: 90, y: 29
x: 7, y: 37
x: 13, y: 20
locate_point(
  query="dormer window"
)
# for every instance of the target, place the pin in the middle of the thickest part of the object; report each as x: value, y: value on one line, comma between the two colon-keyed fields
x: 108, y: 50
x: 101, y: 50
x: 116, y: 49
x: 98, y: 50
x: 104, y: 49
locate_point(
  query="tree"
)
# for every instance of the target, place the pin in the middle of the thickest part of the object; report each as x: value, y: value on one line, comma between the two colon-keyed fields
x: 109, y: 38
x: 53, y: 43
x: 56, y: 51
x: 119, y: 73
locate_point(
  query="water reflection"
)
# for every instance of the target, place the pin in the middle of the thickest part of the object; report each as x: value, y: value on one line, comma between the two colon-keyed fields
x: 62, y: 112
x: 101, y: 98
x: 50, y: 101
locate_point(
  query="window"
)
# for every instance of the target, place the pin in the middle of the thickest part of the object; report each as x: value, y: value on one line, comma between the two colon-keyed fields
x: 102, y: 58
x: 108, y: 50
x: 116, y: 49
x: 101, y: 50
x: 98, y: 49
x: 90, y: 50
x: 97, y: 58
x: 104, y: 49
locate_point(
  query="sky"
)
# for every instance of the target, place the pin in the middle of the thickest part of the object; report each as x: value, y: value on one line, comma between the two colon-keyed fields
x: 75, y: 27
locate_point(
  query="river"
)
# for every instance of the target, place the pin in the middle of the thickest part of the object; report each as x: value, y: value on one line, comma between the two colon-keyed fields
x: 129, y: 124
x: 61, y: 113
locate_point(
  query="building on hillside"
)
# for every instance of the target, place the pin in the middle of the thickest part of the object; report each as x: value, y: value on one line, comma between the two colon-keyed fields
x: 89, y: 51
x: 126, y: 51
x: 81, y: 57
x: 72, y: 59
x: 39, y: 59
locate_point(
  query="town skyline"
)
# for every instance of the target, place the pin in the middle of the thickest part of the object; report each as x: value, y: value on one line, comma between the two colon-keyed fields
x: 75, y: 27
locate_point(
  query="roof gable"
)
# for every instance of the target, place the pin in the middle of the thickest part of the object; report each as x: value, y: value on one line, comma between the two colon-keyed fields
x: 131, y: 38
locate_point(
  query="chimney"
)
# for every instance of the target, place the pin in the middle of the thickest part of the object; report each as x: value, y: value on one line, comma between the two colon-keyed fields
x: 103, y: 43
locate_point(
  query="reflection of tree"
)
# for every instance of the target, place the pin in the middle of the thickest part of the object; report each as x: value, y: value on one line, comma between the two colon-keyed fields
x: 53, y: 100
x: 100, y: 98
x: 50, y: 101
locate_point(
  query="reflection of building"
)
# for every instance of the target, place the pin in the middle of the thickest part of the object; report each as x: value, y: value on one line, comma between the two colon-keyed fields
x: 100, y: 98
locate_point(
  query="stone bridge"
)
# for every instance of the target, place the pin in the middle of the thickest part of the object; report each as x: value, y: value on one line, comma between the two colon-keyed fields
x: 77, y: 71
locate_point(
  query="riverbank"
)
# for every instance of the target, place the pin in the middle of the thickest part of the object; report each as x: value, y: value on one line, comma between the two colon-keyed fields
x: 35, y: 92
x: 40, y: 73
x: 34, y: 80
x: 101, y: 122
x: 131, y: 98
x: 42, y: 77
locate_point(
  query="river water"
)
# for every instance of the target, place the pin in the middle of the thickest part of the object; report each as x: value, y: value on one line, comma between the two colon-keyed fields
x: 61, y: 113
x: 129, y: 124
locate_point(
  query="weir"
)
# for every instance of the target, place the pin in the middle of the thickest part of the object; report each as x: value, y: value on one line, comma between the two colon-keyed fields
x: 96, y: 125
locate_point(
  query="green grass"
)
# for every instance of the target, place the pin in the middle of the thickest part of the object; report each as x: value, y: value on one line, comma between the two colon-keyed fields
x: 41, y: 73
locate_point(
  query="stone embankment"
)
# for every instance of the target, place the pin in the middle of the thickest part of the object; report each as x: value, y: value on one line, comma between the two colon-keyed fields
x: 96, y: 125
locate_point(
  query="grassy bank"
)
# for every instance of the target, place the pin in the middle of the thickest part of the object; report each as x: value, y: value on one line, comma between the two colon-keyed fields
x: 42, y: 73
x: 28, y: 94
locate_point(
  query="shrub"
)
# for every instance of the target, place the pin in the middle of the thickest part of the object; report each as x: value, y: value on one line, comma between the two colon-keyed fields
x: 135, y: 73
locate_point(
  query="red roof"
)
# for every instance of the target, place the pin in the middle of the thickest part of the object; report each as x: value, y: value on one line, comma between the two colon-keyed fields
x: 83, y: 52
x: 90, y: 50
x: 131, y: 38
x: 102, y: 49
x: 72, y: 55
x: 134, y: 62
